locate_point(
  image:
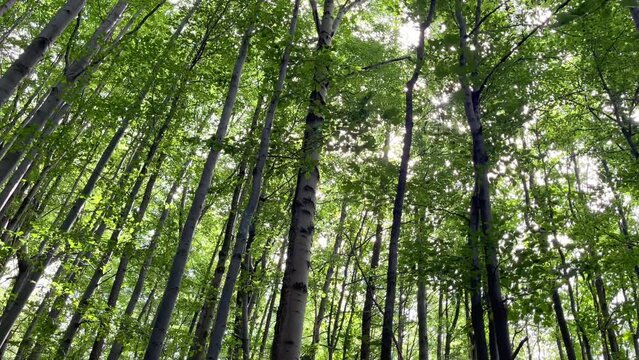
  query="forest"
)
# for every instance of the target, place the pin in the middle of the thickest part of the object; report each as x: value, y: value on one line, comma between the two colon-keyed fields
x: 319, y: 179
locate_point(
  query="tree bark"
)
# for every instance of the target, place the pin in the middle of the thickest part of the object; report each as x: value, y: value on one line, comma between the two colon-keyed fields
x: 391, y: 275
x: 422, y: 319
x: 54, y: 100
x: 35, y: 51
x: 634, y: 12
x: 219, y: 326
x: 6, y: 6
x: 206, y: 313
x: 165, y: 308
x: 482, y: 192
x: 118, y: 344
x: 294, y: 291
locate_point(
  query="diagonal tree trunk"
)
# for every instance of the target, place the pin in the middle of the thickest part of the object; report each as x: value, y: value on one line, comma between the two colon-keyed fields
x: 165, y: 308
x: 35, y: 51
x: 219, y: 325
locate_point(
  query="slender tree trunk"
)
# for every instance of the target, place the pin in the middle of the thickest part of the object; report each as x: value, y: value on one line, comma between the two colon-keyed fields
x: 607, y: 320
x: 634, y: 12
x: 319, y: 318
x: 391, y: 275
x: 78, y: 315
x: 206, y: 315
x: 35, y: 51
x: 482, y: 189
x: 219, y: 325
x: 118, y: 281
x: 55, y: 98
x: 451, y: 330
x: 165, y: 309
x: 118, y: 344
x: 422, y: 319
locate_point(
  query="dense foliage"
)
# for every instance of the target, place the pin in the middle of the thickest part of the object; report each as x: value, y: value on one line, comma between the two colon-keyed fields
x: 323, y: 179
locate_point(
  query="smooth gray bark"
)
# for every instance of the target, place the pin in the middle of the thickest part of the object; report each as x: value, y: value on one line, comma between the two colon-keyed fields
x: 35, y: 51
x: 55, y: 98
x: 165, y: 308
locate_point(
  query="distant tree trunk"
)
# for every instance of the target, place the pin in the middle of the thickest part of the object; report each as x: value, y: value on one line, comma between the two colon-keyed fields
x: 367, y: 312
x: 35, y: 51
x: 118, y: 343
x: 440, y: 322
x: 634, y: 12
x: 78, y: 315
x: 607, y: 320
x: 219, y: 326
x: 422, y: 319
x: 118, y: 281
x: 451, y: 330
x: 391, y: 274
x: 321, y: 310
x: 165, y: 308
x: 271, y: 306
x: 206, y: 315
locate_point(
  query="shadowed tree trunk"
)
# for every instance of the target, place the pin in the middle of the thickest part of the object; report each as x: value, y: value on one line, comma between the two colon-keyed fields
x: 391, y: 275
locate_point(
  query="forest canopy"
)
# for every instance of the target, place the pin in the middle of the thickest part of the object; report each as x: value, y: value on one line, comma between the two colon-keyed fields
x: 319, y: 179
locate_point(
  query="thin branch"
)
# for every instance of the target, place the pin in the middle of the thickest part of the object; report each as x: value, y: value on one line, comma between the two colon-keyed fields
x: 485, y: 17
x: 517, y: 46
x: 343, y: 10
x: 316, y: 19
x: 519, y: 347
x: 385, y: 62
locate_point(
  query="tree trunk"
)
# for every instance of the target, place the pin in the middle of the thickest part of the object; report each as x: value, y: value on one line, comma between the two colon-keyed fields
x: 391, y: 275
x: 118, y: 281
x: 118, y: 345
x: 35, y: 51
x: 563, y: 326
x: 219, y: 326
x: 6, y: 6
x: 607, y: 320
x: 482, y: 192
x: 367, y: 312
x: 319, y: 318
x: 422, y: 319
x: 54, y: 100
x: 165, y: 308
x: 294, y: 292
x: 206, y: 313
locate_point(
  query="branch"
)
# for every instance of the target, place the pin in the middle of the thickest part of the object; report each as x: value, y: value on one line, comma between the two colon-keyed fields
x: 485, y: 17
x: 517, y: 46
x: 343, y: 10
x: 386, y: 62
x: 518, y: 349
x: 316, y: 19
